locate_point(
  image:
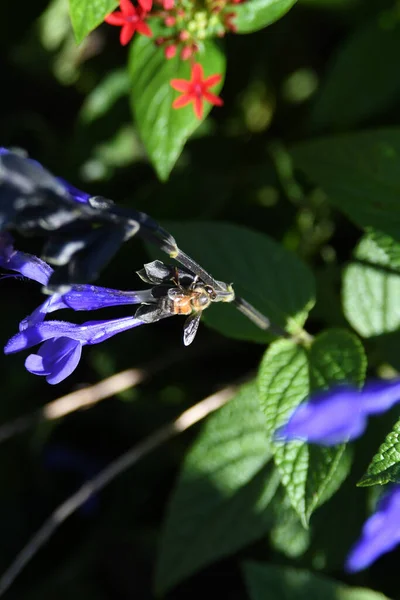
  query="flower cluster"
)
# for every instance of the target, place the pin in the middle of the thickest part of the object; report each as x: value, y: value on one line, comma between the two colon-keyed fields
x: 339, y: 415
x: 83, y: 232
x: 186, y: 27
x: 61, y: 341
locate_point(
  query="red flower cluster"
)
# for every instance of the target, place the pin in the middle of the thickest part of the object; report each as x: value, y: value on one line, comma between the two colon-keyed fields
x: 196, y: 90
x: 131, y: 19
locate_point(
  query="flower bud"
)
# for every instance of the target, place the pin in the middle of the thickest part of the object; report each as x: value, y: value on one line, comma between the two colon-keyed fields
x: 187, y: 52
x: 170, y: 51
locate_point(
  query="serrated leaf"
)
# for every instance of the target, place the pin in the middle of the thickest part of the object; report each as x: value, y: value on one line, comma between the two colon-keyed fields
x: 268, y: 582
x: 256, y: 14
x: 288, y: 374
x: 385, y: 465
x: 86, y: 15
x: 359, y: 172
x: 390, y: 247
x: 163, y: 129
x: 268, y: 276
x: 219, y: 501
x: 371, y: 287
x: 362, y: 79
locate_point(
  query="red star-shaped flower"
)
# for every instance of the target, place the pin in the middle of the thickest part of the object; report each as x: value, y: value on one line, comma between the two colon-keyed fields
x: 131, y: 19
x: 196, y: 90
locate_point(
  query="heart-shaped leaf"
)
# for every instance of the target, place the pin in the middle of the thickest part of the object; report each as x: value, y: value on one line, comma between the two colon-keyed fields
x: 288, y: 374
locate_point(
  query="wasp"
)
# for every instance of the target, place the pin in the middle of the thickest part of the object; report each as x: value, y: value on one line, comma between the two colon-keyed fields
x: 179, y: 292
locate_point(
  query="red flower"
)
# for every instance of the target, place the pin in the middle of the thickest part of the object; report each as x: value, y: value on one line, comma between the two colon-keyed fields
x: 196, y: 90
x: 130, y: 19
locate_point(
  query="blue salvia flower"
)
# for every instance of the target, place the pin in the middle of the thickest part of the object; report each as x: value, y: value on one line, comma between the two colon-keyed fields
x: 339, y: 415
x: 380, y: 534
x: 62, y: 342
x: 77, y: 297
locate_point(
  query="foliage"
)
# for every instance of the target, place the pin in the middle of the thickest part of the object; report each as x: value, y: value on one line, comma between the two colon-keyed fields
x: 289, y: 191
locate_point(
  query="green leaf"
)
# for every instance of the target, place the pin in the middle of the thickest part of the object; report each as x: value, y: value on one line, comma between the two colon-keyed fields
x: 256, y: 14
x: 310, y: 474
x: 363, y: 79
x: 271, y: 278
x: 360, y: 173
x: 371, y: 287
x: 288, y: 535
x: 385, y: 465
x: 219, y: 501
x: 163, y: 129
x: 268, y: 582
x: 86, y: 15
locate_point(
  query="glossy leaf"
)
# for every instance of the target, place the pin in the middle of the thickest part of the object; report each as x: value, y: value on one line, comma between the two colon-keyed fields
x: 268, y: 582
x: 371, y: 287
x: 288, y: 374
x: 360, y: 174
x: 163, y: 129
x: 362, y: 79
x: 274, y: 280
x: 385, y: 465
x: 86, y: 15
x: 218, y: 504
x: 256, y: 14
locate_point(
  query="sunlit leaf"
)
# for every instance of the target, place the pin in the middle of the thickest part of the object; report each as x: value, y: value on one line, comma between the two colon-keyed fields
x: 219, y: 501
x: 371, y: 286
x: 288, y: 374
x: 256, y: 14
x: 86, y: 15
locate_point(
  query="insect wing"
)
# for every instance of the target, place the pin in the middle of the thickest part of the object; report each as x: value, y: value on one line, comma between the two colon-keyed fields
x: 190, y: 328
x: 151, y: 314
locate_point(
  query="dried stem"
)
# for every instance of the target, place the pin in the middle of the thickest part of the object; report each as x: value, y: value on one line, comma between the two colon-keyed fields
x: 188, y: 418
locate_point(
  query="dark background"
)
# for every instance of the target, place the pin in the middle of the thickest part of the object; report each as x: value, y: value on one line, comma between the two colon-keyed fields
x: 232, y: 170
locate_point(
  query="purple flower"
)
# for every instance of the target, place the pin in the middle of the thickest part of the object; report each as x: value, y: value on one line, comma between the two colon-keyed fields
x: 60, y: 352
x: 380, y: 534
x: 78, y: 297
x: 340, y: 414
x: 62, y: 342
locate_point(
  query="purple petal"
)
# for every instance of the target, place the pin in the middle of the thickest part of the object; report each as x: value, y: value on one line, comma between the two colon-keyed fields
x: 41, y: 311
x: 381, y: 533
x: 379, y: 396
x: 340, y: 414
x: 91, y: 332
x: 26, y: 264
x: 91, y: 297
x: 35, y: 364
x: 329, y: 418
x: 56, y: 359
